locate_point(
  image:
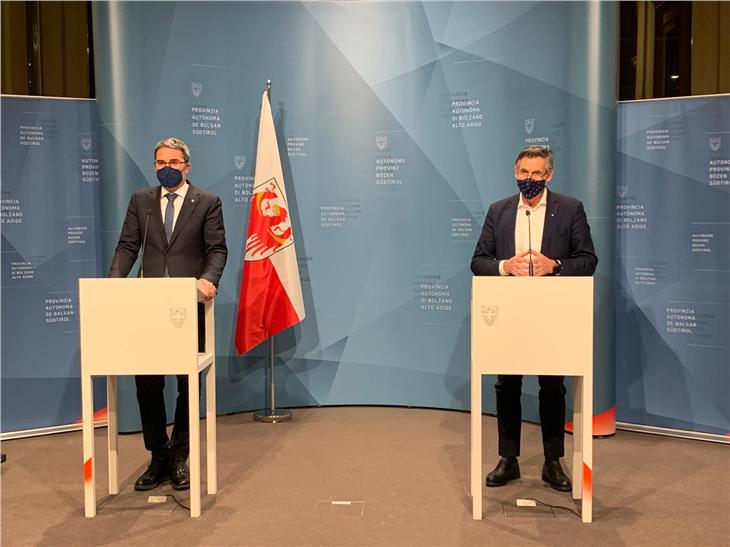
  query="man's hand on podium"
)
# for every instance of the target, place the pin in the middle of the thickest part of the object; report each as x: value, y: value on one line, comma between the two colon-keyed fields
x: 207, y: 289
x: 541, y: 265
x: 518, y: 265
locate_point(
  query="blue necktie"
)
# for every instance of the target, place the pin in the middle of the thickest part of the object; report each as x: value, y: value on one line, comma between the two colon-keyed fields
x: 169, y: 215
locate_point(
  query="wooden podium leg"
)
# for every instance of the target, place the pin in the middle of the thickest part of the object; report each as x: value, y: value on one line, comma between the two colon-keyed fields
x: 210, y: 434
x: 194, y: 417
x: 578, y: 413
x: 112, y: 433
x: 87, y: 417
x: 476, y: 445
x: 587, y: 443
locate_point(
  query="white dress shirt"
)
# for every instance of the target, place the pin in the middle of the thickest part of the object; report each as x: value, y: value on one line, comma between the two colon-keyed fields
x: 522, y: 227
x: 177, y: 202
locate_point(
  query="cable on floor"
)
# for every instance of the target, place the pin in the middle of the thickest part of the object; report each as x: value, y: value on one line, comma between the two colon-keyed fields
x: 556, y: 506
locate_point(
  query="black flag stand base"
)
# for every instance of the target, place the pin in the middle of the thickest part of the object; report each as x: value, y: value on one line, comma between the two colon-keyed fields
x: 272, y: 415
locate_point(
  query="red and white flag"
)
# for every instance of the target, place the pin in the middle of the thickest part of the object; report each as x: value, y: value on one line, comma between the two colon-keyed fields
x: 271, y: 293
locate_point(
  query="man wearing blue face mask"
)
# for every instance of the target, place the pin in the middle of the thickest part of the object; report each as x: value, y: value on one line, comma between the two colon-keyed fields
x: 535, y: 232
x: 179, y: 228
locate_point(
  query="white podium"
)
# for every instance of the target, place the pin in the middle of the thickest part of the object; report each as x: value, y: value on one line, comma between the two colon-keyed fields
x: 145, y: 326
x: 562, y: 345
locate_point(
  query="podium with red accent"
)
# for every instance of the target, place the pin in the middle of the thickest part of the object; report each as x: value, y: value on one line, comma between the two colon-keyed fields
x: 145, y: 326
x: 558, y: 314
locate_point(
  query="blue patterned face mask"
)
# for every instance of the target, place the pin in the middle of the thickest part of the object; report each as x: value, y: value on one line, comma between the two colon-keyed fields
x: 530, y: 187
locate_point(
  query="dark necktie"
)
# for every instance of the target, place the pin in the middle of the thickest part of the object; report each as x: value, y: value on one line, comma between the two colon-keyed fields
x: 169, y: 215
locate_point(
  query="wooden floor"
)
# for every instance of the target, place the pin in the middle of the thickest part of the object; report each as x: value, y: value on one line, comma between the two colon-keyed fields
x: 401, y: 477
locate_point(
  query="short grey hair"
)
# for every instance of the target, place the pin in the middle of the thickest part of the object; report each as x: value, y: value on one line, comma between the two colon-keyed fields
x: 175, y: 144
x: 537, y: 152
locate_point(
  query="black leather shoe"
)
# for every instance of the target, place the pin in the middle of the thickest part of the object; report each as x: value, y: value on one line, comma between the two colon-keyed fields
x: 180, y: 476
x: 553, y: 474
x: 157, y: 473
x: 507, y: 470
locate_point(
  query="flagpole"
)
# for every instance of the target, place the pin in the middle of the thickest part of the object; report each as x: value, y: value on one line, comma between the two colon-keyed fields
x: 273, y: 415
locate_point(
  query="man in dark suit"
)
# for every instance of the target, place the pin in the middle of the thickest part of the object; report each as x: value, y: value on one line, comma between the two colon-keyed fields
x: 180, y: 230
x: 561, y: 245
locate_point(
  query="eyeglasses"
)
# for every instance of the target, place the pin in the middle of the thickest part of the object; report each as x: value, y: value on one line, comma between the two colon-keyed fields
x: 174, y: 163
x: 523, y: 174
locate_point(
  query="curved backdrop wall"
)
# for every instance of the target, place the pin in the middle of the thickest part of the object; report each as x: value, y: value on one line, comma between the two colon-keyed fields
x: 398, y: 125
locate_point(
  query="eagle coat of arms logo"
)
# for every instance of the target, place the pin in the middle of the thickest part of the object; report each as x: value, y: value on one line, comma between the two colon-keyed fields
x: 529, y: 125
x: 178, y: 316
x: 269, y: 222
x: 490, y: 314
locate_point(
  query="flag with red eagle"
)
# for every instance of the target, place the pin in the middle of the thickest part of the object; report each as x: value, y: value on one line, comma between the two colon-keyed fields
x: 271, y: 293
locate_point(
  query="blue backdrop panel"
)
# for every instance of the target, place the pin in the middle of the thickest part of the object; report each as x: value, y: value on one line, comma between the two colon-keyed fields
x: 398, y: 125
x: 673, y: 265
x: 50, y: 225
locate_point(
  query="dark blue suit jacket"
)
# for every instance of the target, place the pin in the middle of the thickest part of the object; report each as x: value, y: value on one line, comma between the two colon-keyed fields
x: 197, y: 247
x: 566, y: 236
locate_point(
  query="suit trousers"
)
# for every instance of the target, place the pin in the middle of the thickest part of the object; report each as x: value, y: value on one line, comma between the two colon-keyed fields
x: 151, y: 399
x: 552, y: 415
